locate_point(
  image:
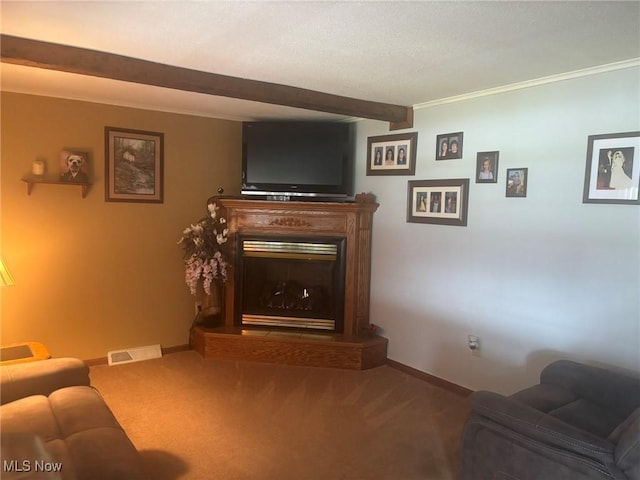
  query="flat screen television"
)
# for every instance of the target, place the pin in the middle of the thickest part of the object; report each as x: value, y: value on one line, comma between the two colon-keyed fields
x: 300, y: 160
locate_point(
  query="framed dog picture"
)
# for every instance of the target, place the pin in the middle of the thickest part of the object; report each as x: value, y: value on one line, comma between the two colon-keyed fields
x: 613, y: 169
x: 438, y: 201
x: 74, y: 166
x: 134, y: 164
x: 487, y: 167
x: 449, y: 146
x: 392, y: 154
x: 517, y: 179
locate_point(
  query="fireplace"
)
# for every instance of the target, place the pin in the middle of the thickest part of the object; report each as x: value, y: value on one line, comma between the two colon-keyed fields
x: 291, y: 282
x: 297, y: 289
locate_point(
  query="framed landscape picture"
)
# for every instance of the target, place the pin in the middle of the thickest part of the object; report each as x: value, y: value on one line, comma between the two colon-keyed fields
x: 392, y: 154
x: 442, y: 202
x: 134, y: 162
x: 613, y: 169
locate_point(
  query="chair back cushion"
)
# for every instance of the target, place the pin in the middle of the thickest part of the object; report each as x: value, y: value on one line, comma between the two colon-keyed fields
x: 617, y: 392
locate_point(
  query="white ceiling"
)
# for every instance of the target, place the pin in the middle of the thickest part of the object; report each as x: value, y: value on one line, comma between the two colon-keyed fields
x: 405, y: 53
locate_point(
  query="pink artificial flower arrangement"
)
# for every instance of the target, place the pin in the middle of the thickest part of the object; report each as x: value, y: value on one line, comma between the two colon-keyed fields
x: 204, y: 256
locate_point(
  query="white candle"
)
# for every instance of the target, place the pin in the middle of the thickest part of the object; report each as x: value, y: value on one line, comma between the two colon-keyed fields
x: 38, y: 167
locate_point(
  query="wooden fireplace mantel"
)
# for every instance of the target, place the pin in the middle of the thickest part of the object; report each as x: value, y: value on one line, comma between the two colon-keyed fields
x: 309, y: 219
x: 352, y: 221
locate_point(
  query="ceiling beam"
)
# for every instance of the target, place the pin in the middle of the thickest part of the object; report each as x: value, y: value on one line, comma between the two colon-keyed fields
x: 35, y: 53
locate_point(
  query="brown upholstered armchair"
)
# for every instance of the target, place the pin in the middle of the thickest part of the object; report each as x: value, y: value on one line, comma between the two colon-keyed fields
x: 579, y: 423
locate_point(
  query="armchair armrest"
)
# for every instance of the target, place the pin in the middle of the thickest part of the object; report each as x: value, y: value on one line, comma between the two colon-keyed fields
x: 540, y: 427
x: 41, y: 378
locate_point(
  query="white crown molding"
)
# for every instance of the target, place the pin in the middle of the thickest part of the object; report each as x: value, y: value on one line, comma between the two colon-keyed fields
x: 635, y: 62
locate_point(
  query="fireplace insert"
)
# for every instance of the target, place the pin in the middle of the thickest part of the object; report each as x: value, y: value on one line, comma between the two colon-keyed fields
x: 291, y: 282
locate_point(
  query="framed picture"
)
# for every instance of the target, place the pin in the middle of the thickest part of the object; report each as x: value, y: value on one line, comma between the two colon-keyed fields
x: 449, y: 146
x: 74, y: 166
x: 487, y: 167
x: 392, y: 154
x: 134, y: 162
x: 613, y: 169
x: 438, y: 201
x: 517, y: 182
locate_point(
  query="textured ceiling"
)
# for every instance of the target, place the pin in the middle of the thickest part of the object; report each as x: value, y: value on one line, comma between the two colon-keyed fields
x: 406, y: 53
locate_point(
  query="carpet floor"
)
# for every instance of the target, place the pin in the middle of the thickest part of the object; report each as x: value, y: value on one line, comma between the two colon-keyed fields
x: 205, y: 419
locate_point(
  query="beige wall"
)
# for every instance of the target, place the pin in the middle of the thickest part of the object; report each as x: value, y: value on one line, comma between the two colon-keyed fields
x: 93, y: 276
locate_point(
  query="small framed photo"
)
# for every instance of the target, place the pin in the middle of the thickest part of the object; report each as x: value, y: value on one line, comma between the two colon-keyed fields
x: 613, y: 169
x: 392, y: 154
x: 74, y: 166
x: 134, y: 164
x: 487, y: 167
x: 442, y: 202
x: 449, y: 146
x: 517, y: 179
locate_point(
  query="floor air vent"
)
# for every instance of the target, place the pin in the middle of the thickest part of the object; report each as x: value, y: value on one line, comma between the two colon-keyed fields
x: 137, y: 354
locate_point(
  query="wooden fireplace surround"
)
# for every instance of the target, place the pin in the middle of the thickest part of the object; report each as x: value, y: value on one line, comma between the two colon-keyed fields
x: 356, y: 347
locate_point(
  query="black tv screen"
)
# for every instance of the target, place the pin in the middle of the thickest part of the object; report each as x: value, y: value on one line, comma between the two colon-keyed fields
x: 299, y: 159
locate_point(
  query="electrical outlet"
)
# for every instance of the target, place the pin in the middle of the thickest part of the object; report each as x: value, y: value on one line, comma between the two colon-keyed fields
x: 474, y: 343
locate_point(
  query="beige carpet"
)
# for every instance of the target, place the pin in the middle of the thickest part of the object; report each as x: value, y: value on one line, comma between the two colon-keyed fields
x: 198, y: 419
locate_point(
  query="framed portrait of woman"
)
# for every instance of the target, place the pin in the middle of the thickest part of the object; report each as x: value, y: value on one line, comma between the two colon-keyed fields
x: 613, y: 169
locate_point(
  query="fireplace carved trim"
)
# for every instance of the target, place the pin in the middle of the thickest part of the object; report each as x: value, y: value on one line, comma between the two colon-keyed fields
x: 289, y: 222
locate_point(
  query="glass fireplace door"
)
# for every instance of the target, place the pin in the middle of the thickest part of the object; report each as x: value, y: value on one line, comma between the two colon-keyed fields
x: 292, y: 283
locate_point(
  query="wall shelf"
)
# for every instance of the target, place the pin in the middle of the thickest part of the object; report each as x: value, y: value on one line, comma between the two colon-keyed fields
x: 32, y: 180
